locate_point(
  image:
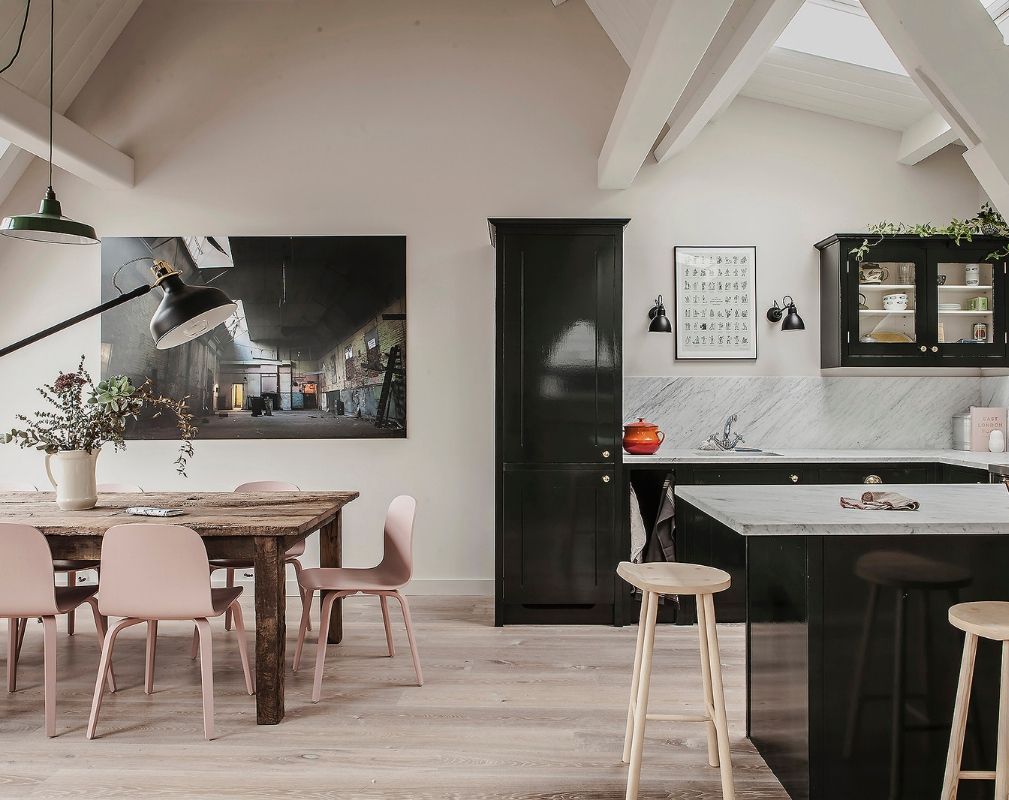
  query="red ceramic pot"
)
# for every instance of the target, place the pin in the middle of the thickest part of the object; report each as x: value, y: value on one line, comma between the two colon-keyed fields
x: 642, y: 438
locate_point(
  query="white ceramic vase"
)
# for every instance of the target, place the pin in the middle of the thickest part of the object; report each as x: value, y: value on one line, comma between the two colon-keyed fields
x: 996, y: 442
x: 74, y: 478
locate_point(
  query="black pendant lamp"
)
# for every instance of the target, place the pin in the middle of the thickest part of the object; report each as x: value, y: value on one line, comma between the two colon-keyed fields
x: 659, y: 321
x: 185, y: 311
x: 49, y: 224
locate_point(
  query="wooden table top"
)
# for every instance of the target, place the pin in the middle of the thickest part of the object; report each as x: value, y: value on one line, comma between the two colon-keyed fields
x: 208, y: 513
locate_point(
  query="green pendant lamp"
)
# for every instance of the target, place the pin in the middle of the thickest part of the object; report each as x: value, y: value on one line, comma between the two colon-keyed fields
x: 49, y: 224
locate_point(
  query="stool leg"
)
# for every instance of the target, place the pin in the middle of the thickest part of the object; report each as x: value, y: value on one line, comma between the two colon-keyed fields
x: 72, y: 614
x: 636, y: 675
x: 709, y: 700
x: 959, y: 726
x: 718, y: 695
x: 897, y: 704
x: 855, y: 700
x: 1002, y: 753
x: 638, y: 740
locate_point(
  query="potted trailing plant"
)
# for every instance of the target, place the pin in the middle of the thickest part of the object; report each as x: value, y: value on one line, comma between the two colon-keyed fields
x: 84, y: 417
x: 987, y: 222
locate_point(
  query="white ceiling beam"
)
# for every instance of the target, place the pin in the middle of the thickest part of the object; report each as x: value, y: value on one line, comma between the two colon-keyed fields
x: 956, y: 56
x: 677, y: 36
x: 24, y: 121
x: 927, y: 136
x: 748, y: 31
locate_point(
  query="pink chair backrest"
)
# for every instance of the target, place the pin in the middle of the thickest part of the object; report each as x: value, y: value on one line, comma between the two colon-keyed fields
x: 17, y: 486
x: 397, y: 562
x: 119, y: 488
x: 154, y: 571
x: 267, y: 486
x: 27, y: 585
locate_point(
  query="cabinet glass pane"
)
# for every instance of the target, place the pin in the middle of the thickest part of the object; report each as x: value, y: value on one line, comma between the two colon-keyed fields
x: 887, y: 301
x: 966, y: 303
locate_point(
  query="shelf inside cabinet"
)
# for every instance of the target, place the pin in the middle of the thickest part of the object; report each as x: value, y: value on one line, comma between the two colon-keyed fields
x: 966, y: 313
x: 888, y: 286
x: 882, y: 312
x: 961, y: 288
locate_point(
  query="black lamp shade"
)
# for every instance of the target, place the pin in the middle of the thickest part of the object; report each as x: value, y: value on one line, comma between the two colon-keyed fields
x: 49, y: 225
x: 187, y: 311
x: 792, y: 320
x: 659, y: 321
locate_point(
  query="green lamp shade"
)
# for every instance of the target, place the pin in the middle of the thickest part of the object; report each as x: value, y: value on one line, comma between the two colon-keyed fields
x: 49, y: 225
x: 187, y: 312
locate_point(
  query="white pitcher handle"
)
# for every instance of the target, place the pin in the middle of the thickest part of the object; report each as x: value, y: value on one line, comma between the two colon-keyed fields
x: 49, y: 472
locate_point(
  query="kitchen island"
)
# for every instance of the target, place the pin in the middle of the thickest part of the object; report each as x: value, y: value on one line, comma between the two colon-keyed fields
x: 851, y: 662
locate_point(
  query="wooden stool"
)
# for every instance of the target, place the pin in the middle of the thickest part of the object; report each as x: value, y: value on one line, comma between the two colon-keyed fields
x: 677, y: 579
x: 990, y: 620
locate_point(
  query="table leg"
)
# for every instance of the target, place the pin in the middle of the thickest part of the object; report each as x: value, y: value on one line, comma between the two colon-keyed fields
x: 331, y: 555
x: 271, y: 630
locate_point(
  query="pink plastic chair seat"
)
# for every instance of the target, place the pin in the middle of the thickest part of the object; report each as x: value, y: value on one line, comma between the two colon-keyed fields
x: 220, y: 599
x: 345, y: 579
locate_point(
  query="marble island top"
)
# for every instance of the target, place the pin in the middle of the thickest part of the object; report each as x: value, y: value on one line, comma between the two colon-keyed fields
x: 964, y: 458
x: 816, y: 510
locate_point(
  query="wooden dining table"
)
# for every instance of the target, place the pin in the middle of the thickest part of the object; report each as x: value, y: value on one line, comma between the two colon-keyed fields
x: 259, y: 526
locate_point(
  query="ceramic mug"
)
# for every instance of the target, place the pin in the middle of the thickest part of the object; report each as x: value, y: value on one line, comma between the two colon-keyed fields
x: 895, y: 302
x: 873, y: 273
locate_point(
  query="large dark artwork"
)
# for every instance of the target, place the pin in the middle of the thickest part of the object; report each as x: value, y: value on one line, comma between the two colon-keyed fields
x: 316, y: 349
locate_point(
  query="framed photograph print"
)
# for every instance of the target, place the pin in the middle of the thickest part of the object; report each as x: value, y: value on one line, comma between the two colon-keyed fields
x: 715, y: 301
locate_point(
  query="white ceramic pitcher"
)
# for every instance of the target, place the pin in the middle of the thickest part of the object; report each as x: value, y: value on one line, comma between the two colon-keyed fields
x: 75, y: 489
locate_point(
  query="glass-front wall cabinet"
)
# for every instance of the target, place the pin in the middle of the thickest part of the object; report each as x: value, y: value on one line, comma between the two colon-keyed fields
x: 912, y: 302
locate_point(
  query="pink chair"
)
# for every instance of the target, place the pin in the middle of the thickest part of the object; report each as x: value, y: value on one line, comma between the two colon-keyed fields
x: 385, y: 580
x: 291, y: 557
x: 27, y: 589
x: 179, y: 589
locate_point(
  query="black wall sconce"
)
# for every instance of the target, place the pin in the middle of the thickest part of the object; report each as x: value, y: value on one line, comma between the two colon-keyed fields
x: 659, y: 321
x: 792, y: 321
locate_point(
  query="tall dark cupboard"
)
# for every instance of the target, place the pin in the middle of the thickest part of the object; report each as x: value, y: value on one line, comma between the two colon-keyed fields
x: 558, y: 418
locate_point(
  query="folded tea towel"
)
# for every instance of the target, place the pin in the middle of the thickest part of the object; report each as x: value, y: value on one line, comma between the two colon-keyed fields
x: 881, y: 501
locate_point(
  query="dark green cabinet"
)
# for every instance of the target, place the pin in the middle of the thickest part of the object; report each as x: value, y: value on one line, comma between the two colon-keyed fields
x: 955, y: 313
x: 558, y: 418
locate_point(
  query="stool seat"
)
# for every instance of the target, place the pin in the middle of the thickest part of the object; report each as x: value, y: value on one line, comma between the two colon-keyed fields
x: 988, y: 619
x: 910, y: 571
x: 674, y: 578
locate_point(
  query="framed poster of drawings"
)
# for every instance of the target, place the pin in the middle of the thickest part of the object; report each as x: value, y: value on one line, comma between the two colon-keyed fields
x: 715, y: 301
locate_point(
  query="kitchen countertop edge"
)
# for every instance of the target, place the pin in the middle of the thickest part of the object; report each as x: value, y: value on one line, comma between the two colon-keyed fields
x: 961, y: 458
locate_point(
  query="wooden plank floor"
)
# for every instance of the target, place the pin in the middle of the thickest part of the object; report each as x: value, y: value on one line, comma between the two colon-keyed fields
x: 517, y: 712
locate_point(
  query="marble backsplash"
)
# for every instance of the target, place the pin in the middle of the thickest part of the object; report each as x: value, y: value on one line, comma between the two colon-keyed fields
x: 800, y: 412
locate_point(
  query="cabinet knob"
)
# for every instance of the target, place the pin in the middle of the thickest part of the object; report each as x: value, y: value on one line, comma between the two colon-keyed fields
x: 872, y: 479
x: 793, y: 478
x: 606, y: 478
x: 606, y: 453
x: 935, y: 348
x: 923, y: 349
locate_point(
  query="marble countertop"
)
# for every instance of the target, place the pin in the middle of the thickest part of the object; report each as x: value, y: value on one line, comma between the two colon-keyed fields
x: 964, y: 458
x: 967, y: 508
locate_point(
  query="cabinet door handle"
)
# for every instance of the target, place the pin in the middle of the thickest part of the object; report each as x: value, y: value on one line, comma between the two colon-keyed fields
x: 606, y: 453
x: 874, y: 479
x: 606, y: 478
x: 923, y: 349
x: 793, y: 478
x: 935, y: 348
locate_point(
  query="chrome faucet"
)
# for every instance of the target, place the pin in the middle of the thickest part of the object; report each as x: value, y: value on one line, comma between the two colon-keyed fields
x: 728, y: 440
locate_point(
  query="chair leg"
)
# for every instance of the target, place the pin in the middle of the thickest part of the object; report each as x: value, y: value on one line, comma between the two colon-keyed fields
x: 230, y: 582
x: 207, y: 676
x: 243, y: 646
x: 13, y: 631
x: 709, y: 697
x: 100, y: 624
x: 898, y: 704
x: 103, y: 670
x: 862, y: 654
x: 721, y: 724
x: 641, y: 706
x: 49, y: 656
x: 320, y: 656
x: 195, y: 649
x: 152, y: 646
x: 635, y: 677
x: 22, y: 629
x: 72, y: 613
x: 306, y: 611
x: 306, y: 595
x: 388, y: 625
x: 409, y: 636
x: 1002, y: 745
x: 958, y: 729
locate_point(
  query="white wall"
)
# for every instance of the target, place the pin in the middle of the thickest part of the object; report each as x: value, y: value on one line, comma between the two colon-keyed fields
x: 425, y: 119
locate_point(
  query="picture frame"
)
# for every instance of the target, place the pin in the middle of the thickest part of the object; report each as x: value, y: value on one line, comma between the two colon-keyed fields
x: 715, y: 303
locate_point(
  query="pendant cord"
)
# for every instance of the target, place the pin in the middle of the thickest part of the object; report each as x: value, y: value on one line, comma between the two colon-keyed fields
x: 21, y: 37
x: 52, y: 65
